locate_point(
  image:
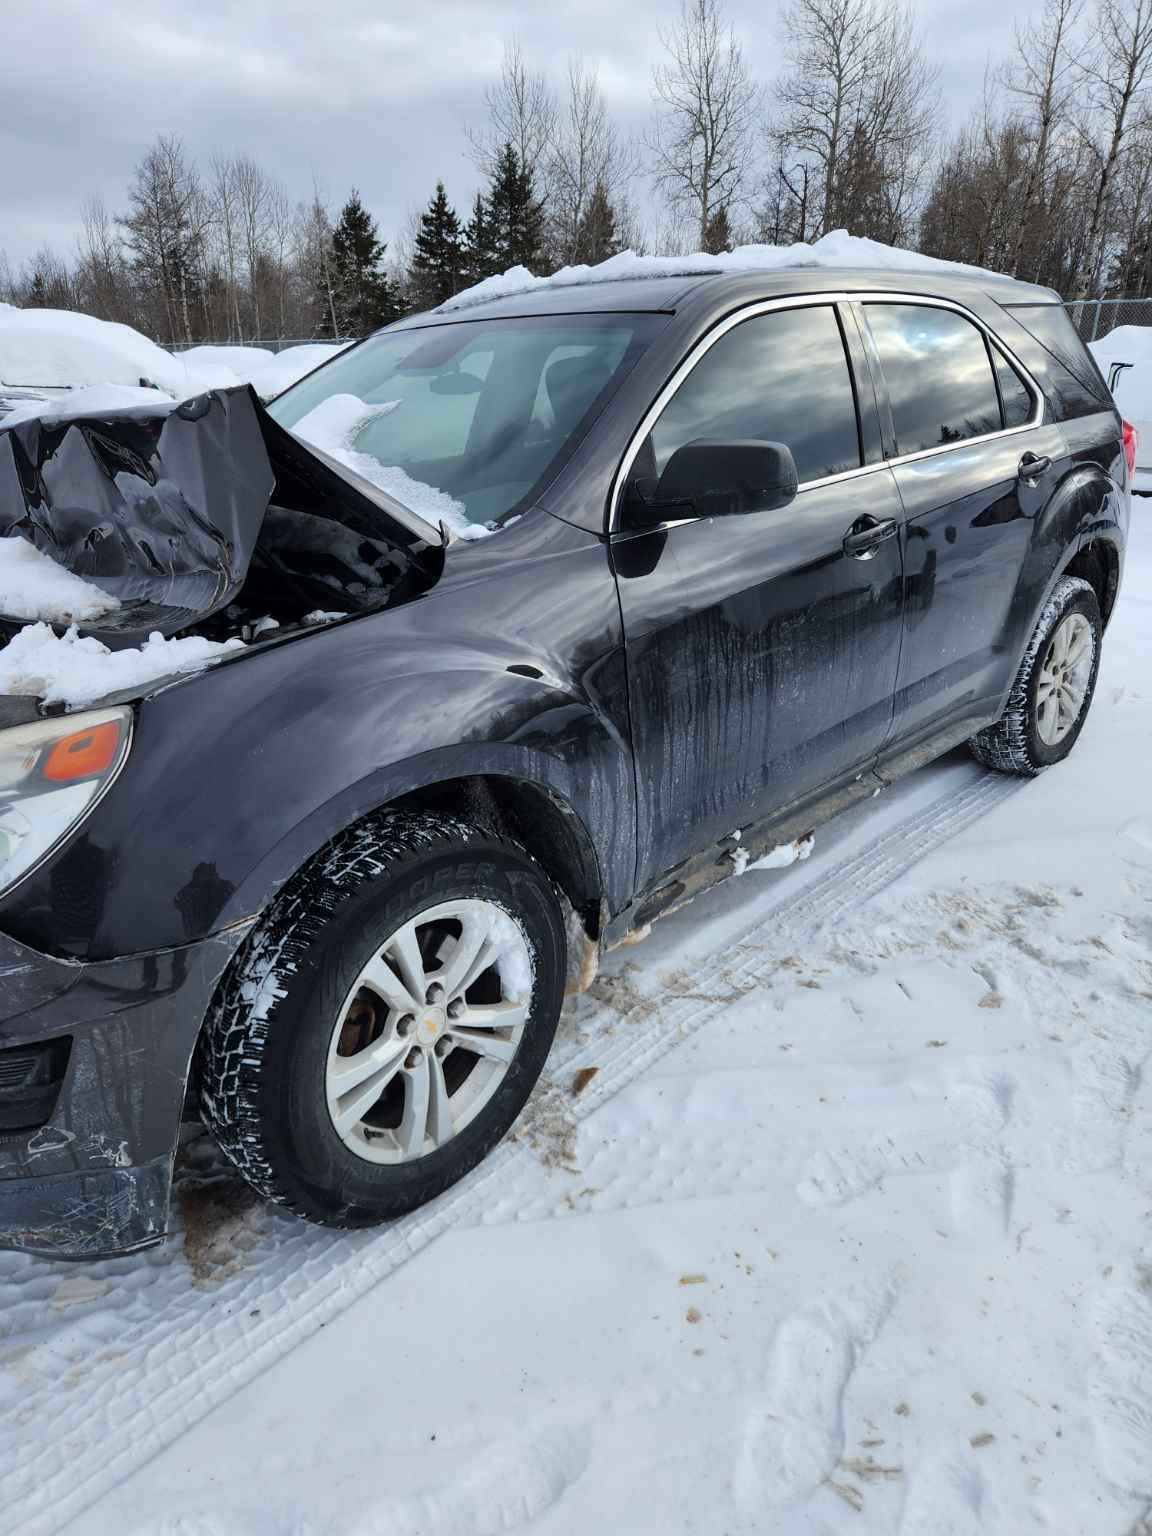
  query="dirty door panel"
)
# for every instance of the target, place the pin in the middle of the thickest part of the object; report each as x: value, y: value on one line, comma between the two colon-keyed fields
x: 762, y: 654
x: 762, y: 661
x: 969, y: 511
x: 968, y: 530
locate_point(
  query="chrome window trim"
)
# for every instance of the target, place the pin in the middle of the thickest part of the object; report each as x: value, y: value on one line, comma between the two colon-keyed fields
x: 815, y: 301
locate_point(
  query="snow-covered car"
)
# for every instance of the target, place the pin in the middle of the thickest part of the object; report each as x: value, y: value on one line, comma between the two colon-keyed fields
x: 1124, y: 357
x: 47, y: 353
x: 533, y: 617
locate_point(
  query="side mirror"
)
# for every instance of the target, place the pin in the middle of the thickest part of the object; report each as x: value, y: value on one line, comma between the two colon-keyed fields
x: 708, y: 478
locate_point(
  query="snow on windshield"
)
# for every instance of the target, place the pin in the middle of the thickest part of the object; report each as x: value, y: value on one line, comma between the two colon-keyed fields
x: 837, y: 249
x: 33, y: 586
x: 335, y: 424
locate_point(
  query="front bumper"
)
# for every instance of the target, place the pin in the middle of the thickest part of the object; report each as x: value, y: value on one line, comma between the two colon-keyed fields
x: 95, y: 1179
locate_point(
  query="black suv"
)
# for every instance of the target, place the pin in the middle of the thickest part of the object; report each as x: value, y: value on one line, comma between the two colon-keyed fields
x: 751, y: 545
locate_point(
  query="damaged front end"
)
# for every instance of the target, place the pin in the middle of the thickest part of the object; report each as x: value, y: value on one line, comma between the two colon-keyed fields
x: 205, y: 518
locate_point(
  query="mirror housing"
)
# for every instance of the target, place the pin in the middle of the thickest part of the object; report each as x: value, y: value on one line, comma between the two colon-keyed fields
x: 712, y: 478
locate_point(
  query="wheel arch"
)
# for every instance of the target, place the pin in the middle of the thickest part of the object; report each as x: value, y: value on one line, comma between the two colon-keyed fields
x: 504, y: 795
x: 539, y: 818
x: 1096, y: 561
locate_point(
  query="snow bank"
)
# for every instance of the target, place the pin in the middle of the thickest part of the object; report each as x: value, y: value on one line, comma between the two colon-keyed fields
x: 268, y: 373
x: 333, y: 426
x: 289, y: 366
x: 56, y: 348
x: 33, y: 586
x: 70, y: 670
x: 243, y: 361
x: 837, y: 249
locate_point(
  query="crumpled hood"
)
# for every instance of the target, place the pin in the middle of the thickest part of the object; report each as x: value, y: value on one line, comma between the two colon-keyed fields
x: 164, y: 509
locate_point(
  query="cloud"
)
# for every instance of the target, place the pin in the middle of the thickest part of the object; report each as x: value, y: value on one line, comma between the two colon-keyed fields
x: 365, y: 93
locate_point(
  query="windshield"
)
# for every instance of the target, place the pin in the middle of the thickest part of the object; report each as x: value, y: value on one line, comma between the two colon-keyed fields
x: 465, y: 423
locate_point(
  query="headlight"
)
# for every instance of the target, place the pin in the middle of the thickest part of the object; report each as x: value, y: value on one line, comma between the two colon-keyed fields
x: 51, y: 775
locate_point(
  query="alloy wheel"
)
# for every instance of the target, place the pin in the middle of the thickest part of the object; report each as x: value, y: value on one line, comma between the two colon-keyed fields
x: 1065, y: 676
x: 428, y: 1030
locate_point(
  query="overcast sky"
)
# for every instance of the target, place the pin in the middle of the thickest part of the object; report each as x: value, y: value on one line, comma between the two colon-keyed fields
x: 366, y: 93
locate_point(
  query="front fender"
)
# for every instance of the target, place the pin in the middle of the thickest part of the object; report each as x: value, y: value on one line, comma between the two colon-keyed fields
x: 239, y: 774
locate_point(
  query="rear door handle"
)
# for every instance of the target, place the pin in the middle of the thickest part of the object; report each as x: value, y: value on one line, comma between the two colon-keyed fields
x: 867, y: 534
x: 1032, y: 466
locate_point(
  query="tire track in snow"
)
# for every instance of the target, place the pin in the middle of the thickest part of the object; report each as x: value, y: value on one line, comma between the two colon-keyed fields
x: 136, y: 1381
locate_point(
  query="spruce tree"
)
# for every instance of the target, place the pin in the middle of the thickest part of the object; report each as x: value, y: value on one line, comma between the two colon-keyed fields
x: 439, y: 263
x: 516, y: 216
x: 596, y: 236
x: 481, y: 259
x: 718, y: 232
x: 365, y: 299
x: 37, y: 293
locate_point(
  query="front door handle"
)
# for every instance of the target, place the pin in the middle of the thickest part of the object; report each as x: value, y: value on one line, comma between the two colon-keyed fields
x: 1032, y: 466
x: 866, y: 535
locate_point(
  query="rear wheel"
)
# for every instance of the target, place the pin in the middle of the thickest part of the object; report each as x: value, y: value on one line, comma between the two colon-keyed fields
x: 1053, y: 690
x: 387, y: 1021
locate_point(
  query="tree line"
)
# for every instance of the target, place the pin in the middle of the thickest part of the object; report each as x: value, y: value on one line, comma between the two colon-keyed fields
x: 1050, y: 179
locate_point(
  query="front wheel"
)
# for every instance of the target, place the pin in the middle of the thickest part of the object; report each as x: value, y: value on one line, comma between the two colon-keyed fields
x: 1053, y: 690
x: 387, y: 1020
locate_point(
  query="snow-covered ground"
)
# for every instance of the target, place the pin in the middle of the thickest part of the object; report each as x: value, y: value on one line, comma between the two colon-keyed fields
x: 832, y: 1217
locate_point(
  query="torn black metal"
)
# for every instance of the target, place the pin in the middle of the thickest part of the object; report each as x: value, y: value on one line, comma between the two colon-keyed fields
x: 173, y: 510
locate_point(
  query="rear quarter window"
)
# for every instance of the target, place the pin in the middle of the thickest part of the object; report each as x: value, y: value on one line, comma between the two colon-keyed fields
x: 1049, y: 344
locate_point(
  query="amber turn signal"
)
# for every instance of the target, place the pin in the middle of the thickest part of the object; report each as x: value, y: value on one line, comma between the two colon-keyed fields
x: 84, y: 755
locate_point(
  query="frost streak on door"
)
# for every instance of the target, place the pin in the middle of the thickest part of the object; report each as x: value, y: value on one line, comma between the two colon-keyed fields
x: 762, y: 662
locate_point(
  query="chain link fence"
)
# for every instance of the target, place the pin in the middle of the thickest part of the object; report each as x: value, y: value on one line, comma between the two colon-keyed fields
x: 1094, y: 318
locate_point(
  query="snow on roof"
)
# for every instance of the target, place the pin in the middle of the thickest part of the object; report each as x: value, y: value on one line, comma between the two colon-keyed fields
x: 837, y: 249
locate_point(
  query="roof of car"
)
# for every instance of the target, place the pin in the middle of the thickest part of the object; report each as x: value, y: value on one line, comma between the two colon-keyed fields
x: 666, y: 294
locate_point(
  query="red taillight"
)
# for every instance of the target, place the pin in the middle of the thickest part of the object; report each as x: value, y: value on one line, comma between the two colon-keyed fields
x: 1131, y: 438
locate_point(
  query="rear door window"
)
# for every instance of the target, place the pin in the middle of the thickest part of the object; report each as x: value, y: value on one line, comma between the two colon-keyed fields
x: 781, y: 377
x: 938, y: 372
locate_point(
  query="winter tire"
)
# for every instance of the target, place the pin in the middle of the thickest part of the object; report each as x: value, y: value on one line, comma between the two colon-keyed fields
x: 1053, y: 690
x: 387, y: 1019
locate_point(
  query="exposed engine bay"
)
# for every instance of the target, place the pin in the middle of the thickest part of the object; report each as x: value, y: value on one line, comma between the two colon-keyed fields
x: 206, y: 518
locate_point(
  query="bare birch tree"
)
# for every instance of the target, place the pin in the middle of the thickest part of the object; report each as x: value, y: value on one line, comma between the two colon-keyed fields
x: 165, y: 228
x: 521, y: 112
x: 857, y: 106
x: 701, y: 142
x: 1042, y: 77
x: 1116, y: 75
x: 586, y: 153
